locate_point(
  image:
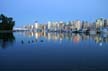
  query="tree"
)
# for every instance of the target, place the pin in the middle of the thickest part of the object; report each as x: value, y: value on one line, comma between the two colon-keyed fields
x: 6, y: 23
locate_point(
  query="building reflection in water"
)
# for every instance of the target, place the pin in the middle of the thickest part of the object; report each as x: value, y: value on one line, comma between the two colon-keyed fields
x: 6, y: 39
x: 76, y: 38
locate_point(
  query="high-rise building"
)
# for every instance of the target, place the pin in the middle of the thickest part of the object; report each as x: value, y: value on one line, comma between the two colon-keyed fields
x: 36, y: 25
x: 49, y: 25
x: 61, y: 25
x: 106, y: 23
x: 100, y: 23
x: 85, y: 25
x: 77, y: 25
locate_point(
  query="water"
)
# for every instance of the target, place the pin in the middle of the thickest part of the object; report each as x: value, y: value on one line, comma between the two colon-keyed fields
x: 30, y: 51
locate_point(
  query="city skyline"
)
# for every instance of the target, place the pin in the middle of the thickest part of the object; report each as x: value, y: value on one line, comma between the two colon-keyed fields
x: 28, y: 11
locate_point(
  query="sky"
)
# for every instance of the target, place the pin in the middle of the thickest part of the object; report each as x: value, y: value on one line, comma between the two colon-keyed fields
x: 26, y: 12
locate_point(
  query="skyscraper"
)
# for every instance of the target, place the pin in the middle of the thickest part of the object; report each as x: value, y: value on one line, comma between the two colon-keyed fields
x: 100, y: 23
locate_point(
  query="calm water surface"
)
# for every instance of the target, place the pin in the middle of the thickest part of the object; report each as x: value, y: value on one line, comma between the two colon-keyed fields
x: 29, y: 51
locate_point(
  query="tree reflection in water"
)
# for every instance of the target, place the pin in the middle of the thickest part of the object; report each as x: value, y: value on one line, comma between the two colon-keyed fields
x: 6, y: 39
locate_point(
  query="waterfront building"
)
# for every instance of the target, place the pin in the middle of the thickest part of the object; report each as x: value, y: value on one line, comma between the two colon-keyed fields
x: 49, y: 25
x: 106, y: 23
x: 85, y: 25
x: 29, y: 27
x: 67, y: 27
x: 60, y: 26
x: 71, y: 26
x: 77, y: 25
x: 39, y: 27
x: 52, y: 26
x: 36, y: 25
x: 99, y: 23
x: 55, y: 26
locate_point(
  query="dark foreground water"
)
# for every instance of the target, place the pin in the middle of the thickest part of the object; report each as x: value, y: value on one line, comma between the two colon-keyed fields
x: 30, y: 51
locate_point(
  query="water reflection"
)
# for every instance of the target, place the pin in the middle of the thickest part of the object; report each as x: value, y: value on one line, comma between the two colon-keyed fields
x: 76, y: 38
x: 6, y: 39
x: 40, y: 50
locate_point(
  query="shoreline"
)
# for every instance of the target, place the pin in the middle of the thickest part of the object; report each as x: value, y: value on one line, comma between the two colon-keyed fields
x: 11, y: 31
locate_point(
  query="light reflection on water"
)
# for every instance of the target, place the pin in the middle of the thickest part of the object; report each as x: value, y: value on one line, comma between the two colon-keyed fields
x: 75, y: 37
x: 53, y: 51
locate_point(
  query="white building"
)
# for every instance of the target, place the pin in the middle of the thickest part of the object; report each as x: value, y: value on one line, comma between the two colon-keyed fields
x: 100, y: 23
x: 60, y: 25
x: 77, y: 25
x: 36, y: 25
x: 53, y: 26
x: 49, y: 24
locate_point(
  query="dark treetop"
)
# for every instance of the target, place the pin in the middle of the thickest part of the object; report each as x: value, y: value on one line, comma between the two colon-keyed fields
x: 6, y: 23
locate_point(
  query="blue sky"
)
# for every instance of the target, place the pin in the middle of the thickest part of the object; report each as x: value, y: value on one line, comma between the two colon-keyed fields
x: 28, y: 11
